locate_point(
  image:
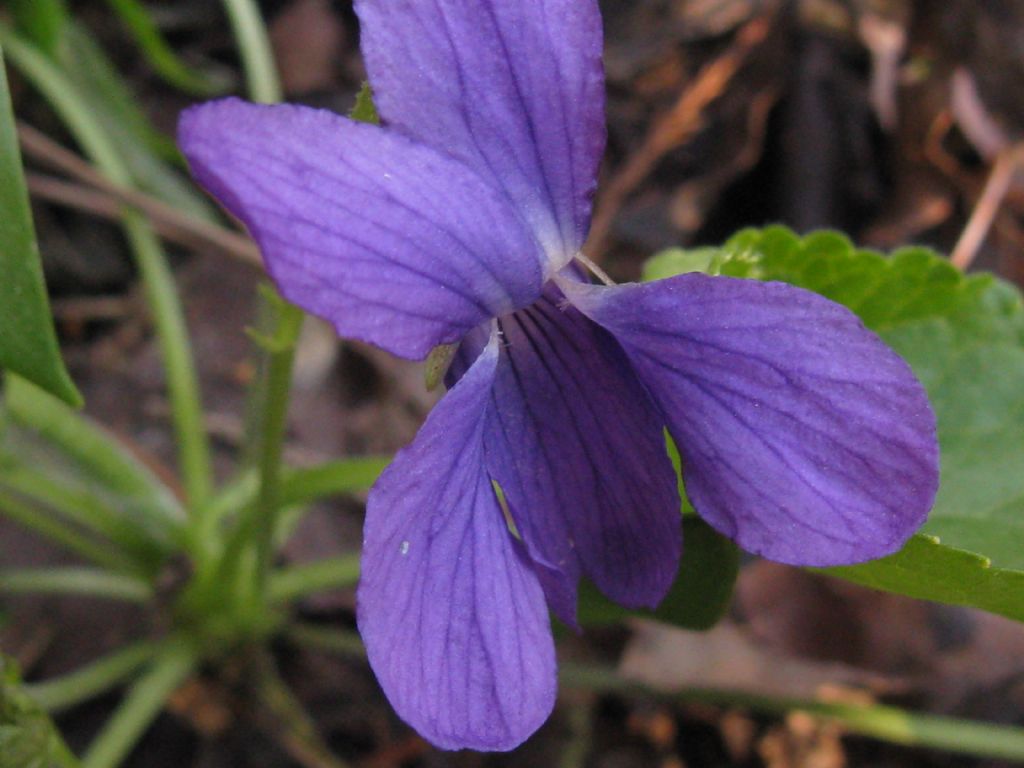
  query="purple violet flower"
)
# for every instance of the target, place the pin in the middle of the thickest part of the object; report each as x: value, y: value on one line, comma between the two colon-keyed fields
x: 803, y: 437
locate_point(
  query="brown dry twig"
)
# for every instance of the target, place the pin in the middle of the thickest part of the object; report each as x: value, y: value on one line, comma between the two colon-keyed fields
x: 1006, y: 165
x: 98, y: 203
x: 97, y: 195
x: 673, y: 129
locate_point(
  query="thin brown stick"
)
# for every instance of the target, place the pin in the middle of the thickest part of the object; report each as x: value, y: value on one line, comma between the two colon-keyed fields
x: 673, y: 129
x: 985, y: 210
x: 104, y: 205
x: 166, y: 219
x: 84, y: 308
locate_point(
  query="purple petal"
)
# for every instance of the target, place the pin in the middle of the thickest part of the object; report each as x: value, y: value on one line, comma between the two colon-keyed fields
x: 515, y: 89
x: 392, y: 242
x: 578, y: 448
x: 803, y: 436
x: 450, y: 609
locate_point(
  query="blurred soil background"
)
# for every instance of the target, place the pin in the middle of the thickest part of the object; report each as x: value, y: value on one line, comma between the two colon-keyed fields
x: 884, y: 118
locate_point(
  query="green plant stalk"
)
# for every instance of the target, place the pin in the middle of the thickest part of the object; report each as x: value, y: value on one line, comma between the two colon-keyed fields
x: 255, y: 49
x: 37, y: 520
x: 877, y: 721
x: 170, y: 668
x: 885, y: 723
x: 264, y: 86
x: 298, y: 581
x: 248, y: 458
x: 277, y: 389
x: 91, y: 680
x: 87, y: 582
x: 257, y: 524
x: 236, y: 495
x: 182, y: 381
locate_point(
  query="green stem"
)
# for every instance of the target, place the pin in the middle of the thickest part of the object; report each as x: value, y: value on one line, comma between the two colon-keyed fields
x: 182, y: 379
x: 87, y: 582
x: 272, y: 400
x: 91, y: 680
x: 258, y: 520
x: 168, y: 317
x: 230, y: 499
x: 254, y: 47
x: 967, y: 737
x: 140, y: 708
x: 301, y: 580
x: 874, y: 720
x: 277, y: 389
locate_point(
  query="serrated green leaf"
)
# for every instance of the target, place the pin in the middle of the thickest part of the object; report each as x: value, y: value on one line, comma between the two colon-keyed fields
x: 699, y: 595
x: 28, y: 344
x: 964, y: 338
x: 929, y: 570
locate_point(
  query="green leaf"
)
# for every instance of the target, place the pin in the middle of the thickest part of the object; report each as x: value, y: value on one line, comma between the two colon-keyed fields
x: 964, y: 338
x: 929, y: 570
x: 28, y: 344
x: 41, y: 21
x: 160, y: 55
x: 301, y: 486
x: 699, y: 595
x: 89, y: 582
x: 28, y: 738
x: 78, y: 454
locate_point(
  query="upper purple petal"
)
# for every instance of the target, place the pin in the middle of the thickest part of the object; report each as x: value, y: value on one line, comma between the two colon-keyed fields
x: 392, y: 242
x: 515, y: 89
x: 453, y: 617
x: 578, y: 449
x: 803, y: 436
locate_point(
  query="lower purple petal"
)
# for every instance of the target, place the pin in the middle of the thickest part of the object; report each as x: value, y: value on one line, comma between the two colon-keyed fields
x: 579, y: 450
x: 803, y: 436
x: 451, y: 611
